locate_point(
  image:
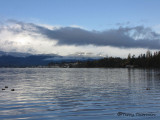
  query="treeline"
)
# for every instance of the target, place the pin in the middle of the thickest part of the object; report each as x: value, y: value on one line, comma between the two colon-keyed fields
x: 147, y: 60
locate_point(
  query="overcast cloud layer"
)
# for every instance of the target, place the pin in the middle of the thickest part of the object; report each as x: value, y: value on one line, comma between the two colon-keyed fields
x: 32, y: 38
x: 123, y: 37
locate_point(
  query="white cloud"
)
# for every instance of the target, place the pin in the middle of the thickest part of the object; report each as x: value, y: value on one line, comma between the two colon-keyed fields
x: 37, y: 43
x: 50, y: 27
x: 77, y: 26
x: 156, y: 28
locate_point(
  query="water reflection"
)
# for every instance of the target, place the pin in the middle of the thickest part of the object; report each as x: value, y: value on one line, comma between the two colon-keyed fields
x: 78, y: 93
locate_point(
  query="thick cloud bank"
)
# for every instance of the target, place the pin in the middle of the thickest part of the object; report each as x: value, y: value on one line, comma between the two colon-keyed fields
x: 123, y: 37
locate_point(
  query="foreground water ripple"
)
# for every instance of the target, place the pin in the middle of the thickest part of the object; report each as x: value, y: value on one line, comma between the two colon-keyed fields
x: 76, y: 94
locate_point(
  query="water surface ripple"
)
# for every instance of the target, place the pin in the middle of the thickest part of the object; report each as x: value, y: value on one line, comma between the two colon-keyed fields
x: 79, y: 94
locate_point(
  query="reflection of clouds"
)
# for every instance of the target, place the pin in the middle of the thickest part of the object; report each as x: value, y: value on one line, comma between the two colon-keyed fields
x: 68, y: 92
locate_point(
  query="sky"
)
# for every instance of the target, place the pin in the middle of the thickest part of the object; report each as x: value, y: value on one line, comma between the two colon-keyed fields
x: 87, y: 27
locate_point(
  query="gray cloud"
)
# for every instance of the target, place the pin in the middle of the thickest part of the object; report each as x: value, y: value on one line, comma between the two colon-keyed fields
x: 123, y: 37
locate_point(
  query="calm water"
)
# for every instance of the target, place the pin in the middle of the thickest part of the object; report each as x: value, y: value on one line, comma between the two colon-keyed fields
x: 79, y: 94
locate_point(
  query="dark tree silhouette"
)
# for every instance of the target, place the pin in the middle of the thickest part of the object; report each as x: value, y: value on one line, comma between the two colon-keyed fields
x: 147, y: 60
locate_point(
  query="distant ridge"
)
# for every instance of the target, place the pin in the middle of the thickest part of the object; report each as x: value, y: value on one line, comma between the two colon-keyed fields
x: 17, y: 59
x: 15, y: 54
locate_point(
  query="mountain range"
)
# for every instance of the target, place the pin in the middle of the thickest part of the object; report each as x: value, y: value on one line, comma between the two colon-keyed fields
x: 18, y: 59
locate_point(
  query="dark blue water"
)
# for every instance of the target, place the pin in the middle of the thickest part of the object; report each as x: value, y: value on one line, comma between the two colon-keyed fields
x: 79, y: 94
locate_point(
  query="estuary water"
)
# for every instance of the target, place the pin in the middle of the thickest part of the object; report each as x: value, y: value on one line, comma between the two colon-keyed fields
x: 79, y: 94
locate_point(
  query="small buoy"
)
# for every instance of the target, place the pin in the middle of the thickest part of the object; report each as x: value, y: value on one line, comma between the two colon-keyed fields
x: 12, y: 90
x: 6, y: 86
x: 3, y: 89
x: 147, y: 88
